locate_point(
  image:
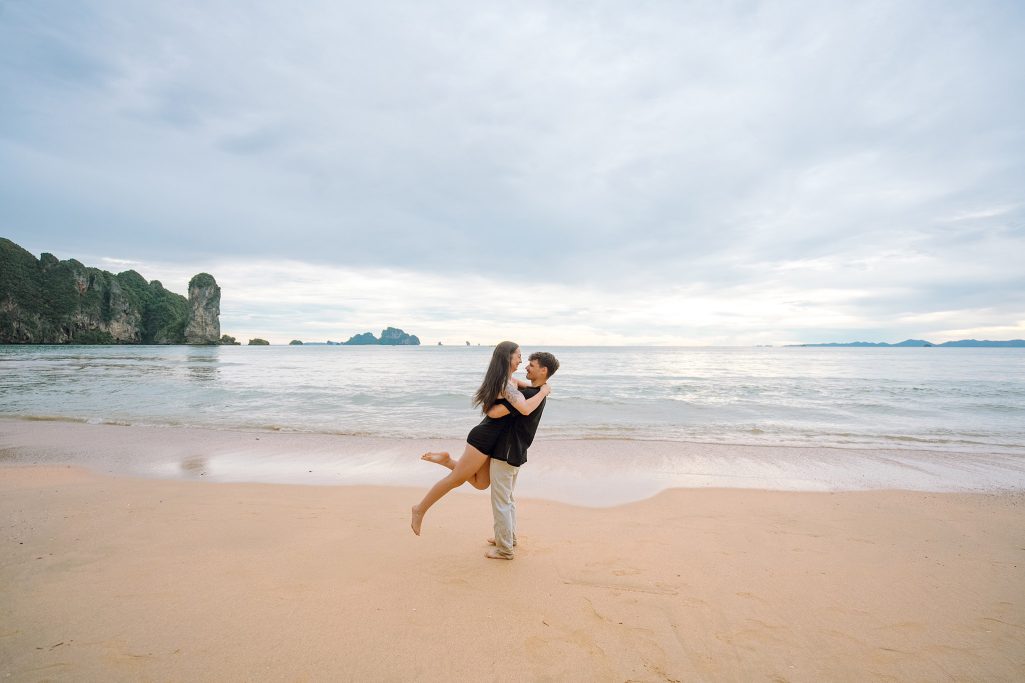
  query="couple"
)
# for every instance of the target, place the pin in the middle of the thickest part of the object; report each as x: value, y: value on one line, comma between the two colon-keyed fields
x: 497, y: 447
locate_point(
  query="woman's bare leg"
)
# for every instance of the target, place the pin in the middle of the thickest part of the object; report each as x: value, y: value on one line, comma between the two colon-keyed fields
x: 481, y: 479
x: 465, y: 468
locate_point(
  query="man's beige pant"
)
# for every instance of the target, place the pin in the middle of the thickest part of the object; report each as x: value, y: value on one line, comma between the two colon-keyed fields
x: 503, y: 505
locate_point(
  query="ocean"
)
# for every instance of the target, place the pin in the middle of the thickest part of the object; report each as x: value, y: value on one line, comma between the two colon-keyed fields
x: 950, y: 399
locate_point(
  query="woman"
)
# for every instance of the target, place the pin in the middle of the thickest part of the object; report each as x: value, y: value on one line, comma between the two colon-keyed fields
x: 498, y: 386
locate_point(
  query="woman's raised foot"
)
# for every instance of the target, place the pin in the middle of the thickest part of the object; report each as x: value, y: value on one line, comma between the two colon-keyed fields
x: 416, y: 520
x: 443, y: 459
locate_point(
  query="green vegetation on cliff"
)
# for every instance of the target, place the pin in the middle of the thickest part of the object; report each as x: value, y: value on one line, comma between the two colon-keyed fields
x: 48, y: 301
x: 202, y: 280
x: 164, y: 313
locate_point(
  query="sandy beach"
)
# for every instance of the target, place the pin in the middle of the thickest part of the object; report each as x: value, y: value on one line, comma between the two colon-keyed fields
x: 741, y: 277
x: 120, y: 578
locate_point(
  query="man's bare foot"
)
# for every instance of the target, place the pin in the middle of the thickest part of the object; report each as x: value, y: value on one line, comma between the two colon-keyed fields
x: 443, y: 459
x: 491, y: 541
x: 416, y: 520
x: 493, y: 554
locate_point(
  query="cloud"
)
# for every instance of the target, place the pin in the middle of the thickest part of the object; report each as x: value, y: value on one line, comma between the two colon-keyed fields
x: 621, y: 160
x: 282, y: 300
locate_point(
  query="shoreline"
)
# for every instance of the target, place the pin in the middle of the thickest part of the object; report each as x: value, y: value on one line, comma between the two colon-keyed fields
x: 912, y: 444
x: 1009, y: 449
x: 117, y: 578
x: 593, y: 472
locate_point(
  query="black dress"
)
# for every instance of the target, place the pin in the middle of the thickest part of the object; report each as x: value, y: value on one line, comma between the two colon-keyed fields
x: 484, y: 436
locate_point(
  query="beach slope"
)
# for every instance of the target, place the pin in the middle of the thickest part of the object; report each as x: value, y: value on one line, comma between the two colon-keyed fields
x: 115, y: 578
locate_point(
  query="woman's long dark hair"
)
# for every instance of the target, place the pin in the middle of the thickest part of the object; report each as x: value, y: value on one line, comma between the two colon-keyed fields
x: 496, y: 377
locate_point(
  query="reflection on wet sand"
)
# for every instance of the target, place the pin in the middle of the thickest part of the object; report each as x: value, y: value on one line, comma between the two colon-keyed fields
x: 194, y: 465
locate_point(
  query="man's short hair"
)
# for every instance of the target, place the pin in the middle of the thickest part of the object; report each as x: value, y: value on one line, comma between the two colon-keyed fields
x: 545, y: 360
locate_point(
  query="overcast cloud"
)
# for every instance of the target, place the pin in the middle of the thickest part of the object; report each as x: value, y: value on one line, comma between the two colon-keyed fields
x: 658, y: 173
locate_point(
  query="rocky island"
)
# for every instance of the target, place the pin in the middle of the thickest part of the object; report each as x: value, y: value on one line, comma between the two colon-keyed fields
x: 919, y: 343
x: 49, y: 301
x: 390, y: 336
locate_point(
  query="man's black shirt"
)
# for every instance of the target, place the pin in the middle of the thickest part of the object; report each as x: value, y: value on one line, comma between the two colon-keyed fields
x: 516, y: 439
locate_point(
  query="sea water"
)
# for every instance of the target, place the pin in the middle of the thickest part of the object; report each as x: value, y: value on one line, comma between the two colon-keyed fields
x: 934, y: 399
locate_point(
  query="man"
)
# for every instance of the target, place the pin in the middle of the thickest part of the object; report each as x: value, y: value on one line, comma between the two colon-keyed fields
x: 511, y: 453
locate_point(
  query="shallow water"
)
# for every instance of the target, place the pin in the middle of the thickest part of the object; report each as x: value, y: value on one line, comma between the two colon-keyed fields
x: 908, y: 398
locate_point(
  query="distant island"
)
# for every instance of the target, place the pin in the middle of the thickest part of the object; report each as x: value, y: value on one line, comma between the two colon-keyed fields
x: 971, y: 343
x: 390, y: 336
x: 49, y: 301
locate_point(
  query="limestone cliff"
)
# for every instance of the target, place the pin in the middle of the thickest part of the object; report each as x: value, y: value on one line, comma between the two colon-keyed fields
x: 204, y: 323
x: 48, y: 301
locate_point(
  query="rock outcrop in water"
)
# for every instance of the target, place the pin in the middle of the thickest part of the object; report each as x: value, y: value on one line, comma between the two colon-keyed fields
x: 49, y: 301
x: 204, y: 326
x: 393, y: 336
x: 390, y: 336
x: 364, y: 339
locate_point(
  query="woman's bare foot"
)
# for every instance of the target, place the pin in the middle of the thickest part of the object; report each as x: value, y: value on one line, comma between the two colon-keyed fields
x: 443, y: 459
x: 416, y: 520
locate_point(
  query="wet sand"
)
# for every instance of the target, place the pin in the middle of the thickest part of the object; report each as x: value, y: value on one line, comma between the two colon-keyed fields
x: 583, y: 472
x: 106, y: 577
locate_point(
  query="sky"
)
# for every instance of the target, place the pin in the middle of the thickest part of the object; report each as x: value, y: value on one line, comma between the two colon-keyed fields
x: 664, y: 173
